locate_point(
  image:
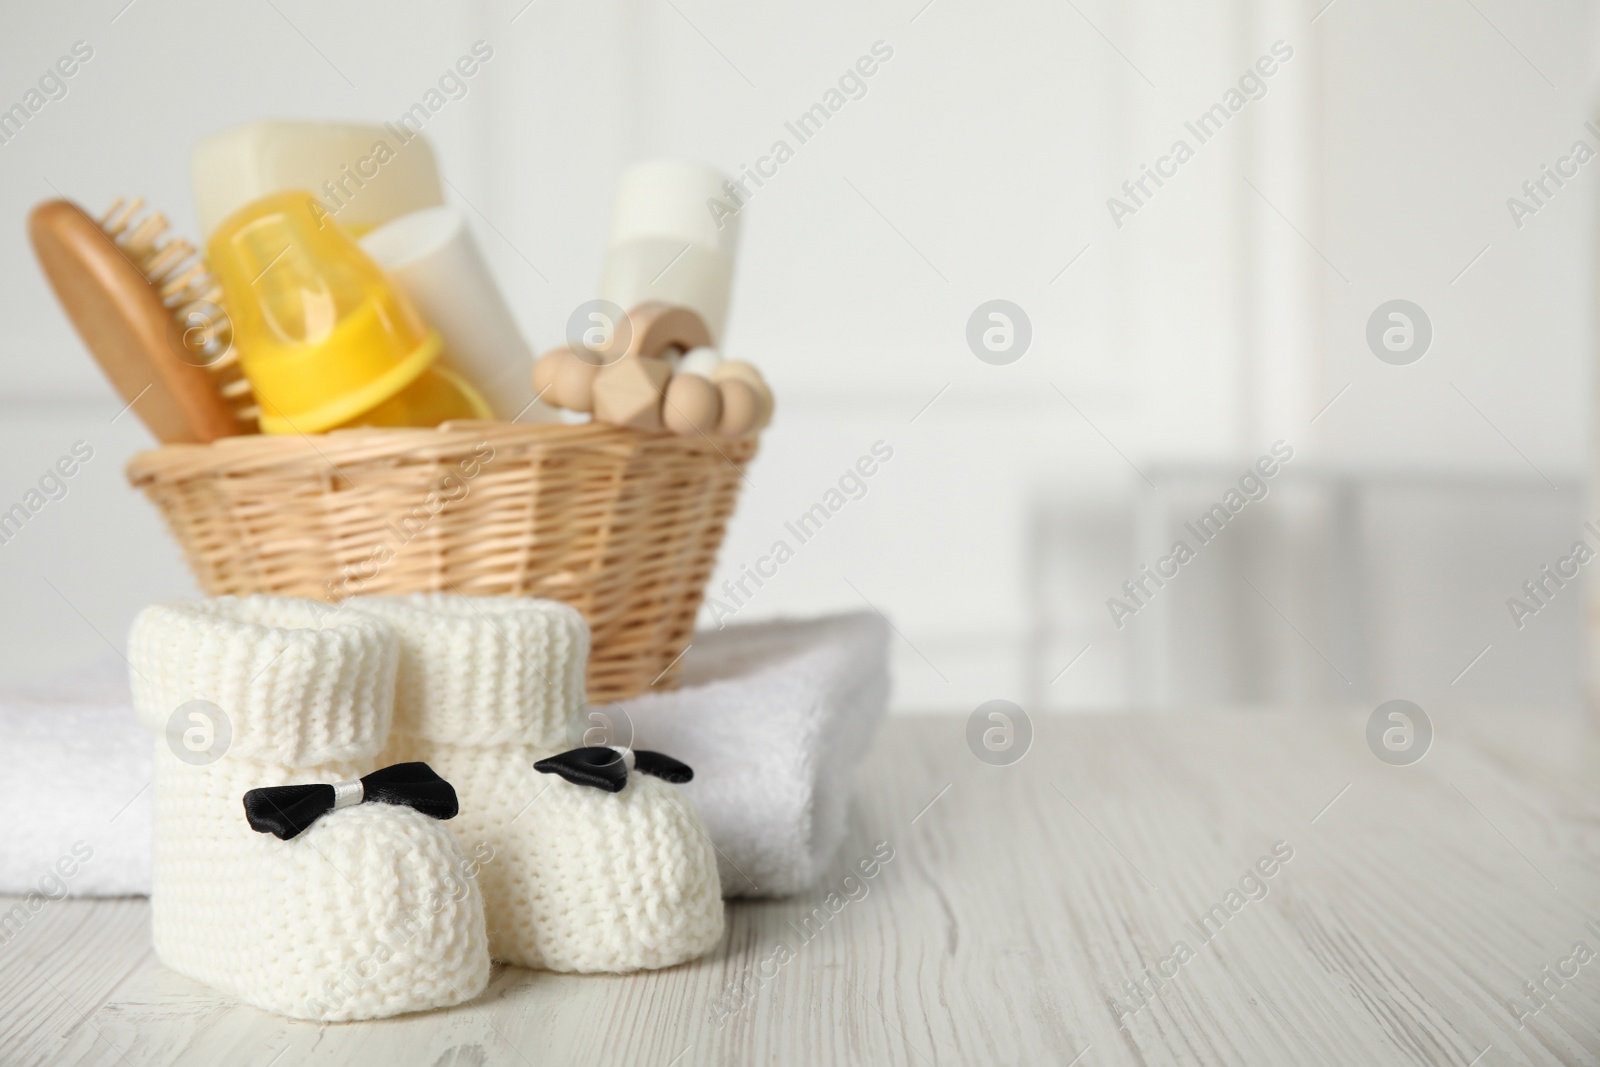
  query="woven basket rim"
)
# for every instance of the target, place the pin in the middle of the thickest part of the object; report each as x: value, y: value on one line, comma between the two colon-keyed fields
x: 623, y: 525
x: 248, y: 454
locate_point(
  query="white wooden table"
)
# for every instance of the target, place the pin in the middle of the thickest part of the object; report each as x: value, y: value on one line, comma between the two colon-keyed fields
x: 1020, y: 899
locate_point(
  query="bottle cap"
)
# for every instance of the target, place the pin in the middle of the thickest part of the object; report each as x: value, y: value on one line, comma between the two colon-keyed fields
x: 321, y: 333
x: 668, y: 198
x: 363, y: 173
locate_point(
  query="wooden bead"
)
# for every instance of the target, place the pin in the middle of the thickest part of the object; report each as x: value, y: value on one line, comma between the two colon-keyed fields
x: 741, y: 407
x: 656, y: 327
x: 693, y: 405
x: 736, y: 370
x: 544, y: 373
x: 629, y: 391
x: 574, y: 382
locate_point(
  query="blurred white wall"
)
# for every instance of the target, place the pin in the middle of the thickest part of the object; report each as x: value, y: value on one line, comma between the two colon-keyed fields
x: 1168, y: 352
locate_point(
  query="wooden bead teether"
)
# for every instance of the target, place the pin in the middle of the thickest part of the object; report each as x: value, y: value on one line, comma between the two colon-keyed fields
x: 657, y: 327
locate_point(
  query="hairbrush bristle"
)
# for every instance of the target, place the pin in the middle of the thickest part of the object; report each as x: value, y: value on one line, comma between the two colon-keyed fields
x: 179, y: 274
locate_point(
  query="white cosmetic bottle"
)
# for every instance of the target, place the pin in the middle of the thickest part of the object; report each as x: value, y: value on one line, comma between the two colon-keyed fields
x: 670, y: 240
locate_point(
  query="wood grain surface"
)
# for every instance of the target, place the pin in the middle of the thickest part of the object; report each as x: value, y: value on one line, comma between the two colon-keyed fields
x: 1018, y: 901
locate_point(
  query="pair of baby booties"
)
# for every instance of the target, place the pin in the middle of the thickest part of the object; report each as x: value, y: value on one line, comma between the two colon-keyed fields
x: 376, y: 908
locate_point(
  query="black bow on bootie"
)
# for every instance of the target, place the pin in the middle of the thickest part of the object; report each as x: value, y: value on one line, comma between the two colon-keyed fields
x: 607, y: 768
x: 286, y: 810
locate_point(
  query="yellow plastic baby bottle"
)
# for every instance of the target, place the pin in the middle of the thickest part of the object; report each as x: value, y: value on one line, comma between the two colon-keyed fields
x: 325, y: 339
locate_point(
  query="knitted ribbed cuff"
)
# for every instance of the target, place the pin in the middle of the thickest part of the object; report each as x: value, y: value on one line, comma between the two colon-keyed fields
x: 301, y: 683
x: 485, y: 670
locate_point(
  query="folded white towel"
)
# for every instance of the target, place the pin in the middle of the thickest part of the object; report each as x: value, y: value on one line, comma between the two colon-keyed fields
x: 773, y: 717
x: 77, y: 774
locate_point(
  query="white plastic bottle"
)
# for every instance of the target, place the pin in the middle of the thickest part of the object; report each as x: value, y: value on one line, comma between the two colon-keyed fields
x: 670, y: 242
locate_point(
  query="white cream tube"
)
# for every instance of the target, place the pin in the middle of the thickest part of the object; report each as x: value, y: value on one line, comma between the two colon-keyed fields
x: 432, y: 256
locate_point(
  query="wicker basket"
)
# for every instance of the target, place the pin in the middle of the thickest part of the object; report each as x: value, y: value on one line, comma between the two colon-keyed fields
x: 623, y: 526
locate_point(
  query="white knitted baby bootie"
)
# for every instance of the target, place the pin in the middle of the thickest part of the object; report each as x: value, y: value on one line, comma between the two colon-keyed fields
x: 370, y: 910
x: 581, y: 878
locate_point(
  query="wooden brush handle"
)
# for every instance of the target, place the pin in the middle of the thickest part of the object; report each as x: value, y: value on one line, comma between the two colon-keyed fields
x: 126, y: 327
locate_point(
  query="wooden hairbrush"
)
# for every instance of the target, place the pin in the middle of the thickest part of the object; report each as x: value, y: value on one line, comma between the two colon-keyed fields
x: 148, y: 313
x: 174, y: 266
